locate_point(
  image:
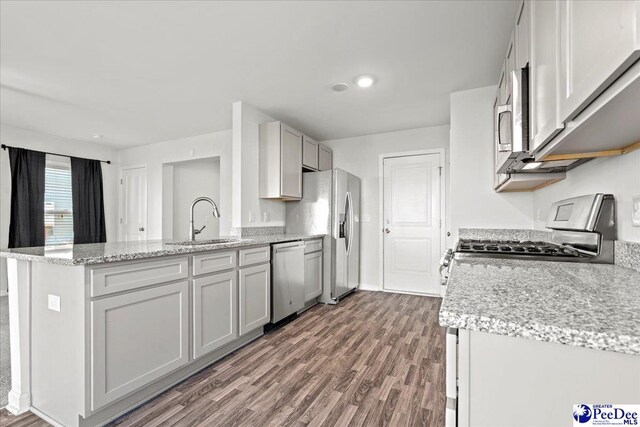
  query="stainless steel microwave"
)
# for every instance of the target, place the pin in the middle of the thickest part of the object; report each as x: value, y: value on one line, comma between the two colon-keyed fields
x: 512, y: 133
x: 512, y: 124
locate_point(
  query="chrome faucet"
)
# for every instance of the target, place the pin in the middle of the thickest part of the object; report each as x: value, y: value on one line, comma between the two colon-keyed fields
x: 192, y: 230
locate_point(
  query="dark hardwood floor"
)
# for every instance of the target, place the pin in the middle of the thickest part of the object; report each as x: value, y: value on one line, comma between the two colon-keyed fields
x: 374, y: 359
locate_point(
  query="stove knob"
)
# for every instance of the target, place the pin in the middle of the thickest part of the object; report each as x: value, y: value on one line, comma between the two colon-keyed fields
x: 445, y: 259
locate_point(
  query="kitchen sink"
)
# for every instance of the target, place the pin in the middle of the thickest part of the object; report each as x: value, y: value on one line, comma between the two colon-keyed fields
x: 204, y: 242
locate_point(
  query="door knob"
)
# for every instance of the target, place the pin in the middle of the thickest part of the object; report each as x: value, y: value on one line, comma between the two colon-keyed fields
x: 386, y: 230
x: 141, y: 229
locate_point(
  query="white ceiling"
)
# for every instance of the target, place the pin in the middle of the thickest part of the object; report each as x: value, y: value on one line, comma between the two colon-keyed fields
x: 142, y: 72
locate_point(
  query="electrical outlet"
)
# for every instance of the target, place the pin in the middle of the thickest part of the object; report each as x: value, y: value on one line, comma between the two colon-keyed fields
x: 252, y: 216
x: 265, y: 216
x: 54, y: 302
x: 635, y: 213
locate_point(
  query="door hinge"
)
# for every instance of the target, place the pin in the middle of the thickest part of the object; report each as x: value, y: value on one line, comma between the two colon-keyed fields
x: 120, y: 220
x: 440, y: 170
x: 120, y: 181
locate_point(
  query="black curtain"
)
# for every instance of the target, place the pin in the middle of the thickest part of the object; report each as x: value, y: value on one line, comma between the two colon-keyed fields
x: 88, y: 201
x: 26, y: 226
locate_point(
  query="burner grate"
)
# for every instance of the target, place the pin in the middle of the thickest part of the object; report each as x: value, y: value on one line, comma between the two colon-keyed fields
x: 515, y: 248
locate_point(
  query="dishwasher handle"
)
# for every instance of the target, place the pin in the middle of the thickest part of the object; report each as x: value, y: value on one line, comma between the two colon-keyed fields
x: 288, y: 247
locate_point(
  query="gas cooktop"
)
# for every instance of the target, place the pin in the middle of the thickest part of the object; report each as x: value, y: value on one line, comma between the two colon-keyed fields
x: 517, y: 248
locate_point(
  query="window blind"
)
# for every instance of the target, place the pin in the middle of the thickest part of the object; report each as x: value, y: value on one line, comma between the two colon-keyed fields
x: 58, y: 212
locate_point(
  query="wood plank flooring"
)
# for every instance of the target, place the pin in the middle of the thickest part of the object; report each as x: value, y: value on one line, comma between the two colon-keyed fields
x: 374, y: 359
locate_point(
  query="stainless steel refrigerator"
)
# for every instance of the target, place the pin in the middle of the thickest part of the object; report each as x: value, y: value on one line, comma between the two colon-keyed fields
x: 331, y: 205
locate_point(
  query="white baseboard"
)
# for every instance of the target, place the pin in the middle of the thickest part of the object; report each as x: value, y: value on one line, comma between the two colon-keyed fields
x: 369, y: 287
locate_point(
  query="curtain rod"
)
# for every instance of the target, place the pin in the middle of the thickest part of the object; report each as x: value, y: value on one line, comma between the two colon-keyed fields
x: 4, y: 147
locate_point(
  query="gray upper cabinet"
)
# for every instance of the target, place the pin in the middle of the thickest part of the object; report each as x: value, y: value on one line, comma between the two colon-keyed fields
x: 255, y: 297
x: 544, y: 118
x: 325, y: 158
x: 280, y: 162
x: 215, y: 302
x: 599, y: 40
x: 137, y: 338
x: 309, y: 153
x: 522, y: 35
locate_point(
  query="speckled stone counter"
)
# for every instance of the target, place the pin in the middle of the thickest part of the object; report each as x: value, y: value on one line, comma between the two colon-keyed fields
x: 586, y: 305
x: 99, y: 253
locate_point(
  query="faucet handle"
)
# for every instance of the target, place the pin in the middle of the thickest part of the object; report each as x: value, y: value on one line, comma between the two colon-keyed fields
x: 196, y: 231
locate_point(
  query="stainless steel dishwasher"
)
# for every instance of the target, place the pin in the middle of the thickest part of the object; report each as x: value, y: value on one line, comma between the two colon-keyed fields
x: 287, y: 279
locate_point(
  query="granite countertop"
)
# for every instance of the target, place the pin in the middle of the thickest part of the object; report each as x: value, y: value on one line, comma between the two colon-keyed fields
x: 585, y: 305
x: 99, y: 253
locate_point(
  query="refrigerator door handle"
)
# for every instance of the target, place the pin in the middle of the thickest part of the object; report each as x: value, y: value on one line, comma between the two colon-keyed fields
x: 350, y: 220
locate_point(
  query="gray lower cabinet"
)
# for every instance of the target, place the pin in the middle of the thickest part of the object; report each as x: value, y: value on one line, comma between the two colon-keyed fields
x: 312, y: 275
x: 215, y: 302
x: 136, y: 338
x: 255, y: 297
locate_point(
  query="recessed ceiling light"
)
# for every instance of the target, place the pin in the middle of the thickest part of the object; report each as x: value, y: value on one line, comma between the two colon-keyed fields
x: 340, y: 87
x: 97, y: 136
x: 365, y: 81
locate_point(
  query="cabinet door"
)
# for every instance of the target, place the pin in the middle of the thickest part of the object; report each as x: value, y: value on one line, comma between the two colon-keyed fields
x: 312, y: 275
x: 510, y: 65
x: 523, y: 28
x: 544, y: 121
x: 290, y: 163
x: 309, y: 153
x: 215, y: 302
x: 255, y: 297
x: 598, y: 41
x: 137, y: 338
x: 325, y: 161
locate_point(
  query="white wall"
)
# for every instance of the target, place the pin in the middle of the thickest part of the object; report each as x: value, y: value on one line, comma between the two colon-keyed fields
x: 246, y: 200
x: 192, y: 179
x: 473, y: 201
x: 619, y: 176
x: 157, y: 155
x: 41, y: 142
x: 361, y: 157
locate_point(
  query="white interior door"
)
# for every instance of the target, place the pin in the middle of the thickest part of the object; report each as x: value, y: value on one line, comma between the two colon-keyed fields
x: 411, y: 223
x: 133, y: 213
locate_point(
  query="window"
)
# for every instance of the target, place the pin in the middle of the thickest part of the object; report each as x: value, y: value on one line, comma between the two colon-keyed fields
x: 58, y: 212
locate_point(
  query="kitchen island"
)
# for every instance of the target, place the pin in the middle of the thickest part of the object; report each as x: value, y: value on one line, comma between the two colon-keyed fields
x: 536, y: 337
x: 98, y: 329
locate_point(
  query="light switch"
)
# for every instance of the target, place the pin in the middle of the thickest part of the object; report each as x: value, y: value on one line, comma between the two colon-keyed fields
x: 635, y: 214
x: 54, y: 302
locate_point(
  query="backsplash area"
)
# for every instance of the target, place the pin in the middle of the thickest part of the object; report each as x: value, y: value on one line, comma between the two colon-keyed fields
x: 257, y: 231
x: 627, y: 254
x: 619, y: 175
x: 502, y: 234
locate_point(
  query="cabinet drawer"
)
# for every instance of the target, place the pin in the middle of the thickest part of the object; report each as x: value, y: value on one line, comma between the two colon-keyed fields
x: 213, y: 262
x: 137, y: 338
x: 255, y: 255
x: 124, y: 277
x: 312, y: 246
